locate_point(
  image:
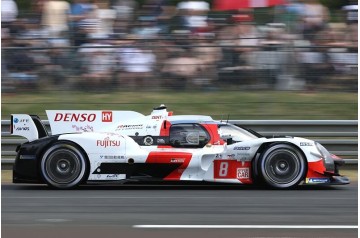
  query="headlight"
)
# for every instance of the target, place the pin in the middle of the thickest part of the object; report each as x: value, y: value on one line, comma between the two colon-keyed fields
x: 328, y: 160
x: 322, y: 150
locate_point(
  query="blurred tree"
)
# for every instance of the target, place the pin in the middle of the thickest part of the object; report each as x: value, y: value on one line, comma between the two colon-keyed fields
x: 335, y: 4
x: 23, y: 5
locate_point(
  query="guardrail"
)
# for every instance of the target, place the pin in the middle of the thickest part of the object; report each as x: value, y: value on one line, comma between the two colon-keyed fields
x: 338, y: 136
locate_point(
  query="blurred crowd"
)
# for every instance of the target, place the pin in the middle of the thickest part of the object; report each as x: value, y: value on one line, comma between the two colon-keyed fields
x: 103, y: 45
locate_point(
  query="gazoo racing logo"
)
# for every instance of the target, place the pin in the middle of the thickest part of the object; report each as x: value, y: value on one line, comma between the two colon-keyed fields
x: 77, y: 117
x: 107, y: 143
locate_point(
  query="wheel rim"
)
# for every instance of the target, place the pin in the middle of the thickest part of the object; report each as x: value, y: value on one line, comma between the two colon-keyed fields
x: 63, y: 166
x: 283, y: 167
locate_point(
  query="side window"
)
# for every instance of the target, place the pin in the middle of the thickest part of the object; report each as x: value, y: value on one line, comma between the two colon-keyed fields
x: 188, y: 136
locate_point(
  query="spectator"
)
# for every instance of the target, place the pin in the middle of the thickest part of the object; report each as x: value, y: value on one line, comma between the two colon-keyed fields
x: 57, y: 69
x: 315, y: 17
x: 208, y: 55
x: 180, y: 69
x: 195, y: 14
x: 125, y: 10
x: 80, y: 11
x: 55, y: 17
x: 136, y: 64
x: 9, y: 13
x: 239, y: 42
x: 21, y: 68
x: 105, y: 18
x: 315, y: 62
x: 352, y: 23
x: 289, y: 14
x: 271, y: 59
x: 98, y: 64
x: 351, y: 13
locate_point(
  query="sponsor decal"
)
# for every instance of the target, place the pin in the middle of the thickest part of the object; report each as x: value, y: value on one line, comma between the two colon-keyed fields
x: 27, y: 157
x: 242, y: 154
x: 156, y: 117
x: 107, y: 177
x: 86, y: 128
x: 231, y: 156
x: 242, y: 173
x: 112, y: 157
x: 23, y: 128
x: 317, y: 180
x: 107, y: 143
x: 306, y: 144
x: 16, y: 120
x: 148, y: 140
x: 107, y: 116
x: 112, y: 176
x: 113, y: 134
x: 177, y: 160
x: 129, y: 127
x: 77, y: 117
x: 160, y: 141
x: 242, y: 148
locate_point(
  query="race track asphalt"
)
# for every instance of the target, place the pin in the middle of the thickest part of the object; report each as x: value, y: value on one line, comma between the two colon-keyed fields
x: 117, y: 211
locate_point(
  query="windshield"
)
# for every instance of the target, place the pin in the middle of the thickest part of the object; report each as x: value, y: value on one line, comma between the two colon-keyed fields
x: 237, y: 134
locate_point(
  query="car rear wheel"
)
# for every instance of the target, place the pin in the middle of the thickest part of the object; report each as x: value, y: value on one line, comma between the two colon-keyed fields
x: 64, y: 166
x: 282, y: 166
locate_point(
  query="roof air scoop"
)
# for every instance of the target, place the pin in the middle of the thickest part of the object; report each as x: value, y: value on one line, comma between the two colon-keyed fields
x: 160, y: 113
x: 161, y: 107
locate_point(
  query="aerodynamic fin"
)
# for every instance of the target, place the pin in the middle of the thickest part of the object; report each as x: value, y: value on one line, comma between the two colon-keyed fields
x: 28, y: 126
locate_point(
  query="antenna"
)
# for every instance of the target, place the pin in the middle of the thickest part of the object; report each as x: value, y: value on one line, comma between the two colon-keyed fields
x: 227, y: 121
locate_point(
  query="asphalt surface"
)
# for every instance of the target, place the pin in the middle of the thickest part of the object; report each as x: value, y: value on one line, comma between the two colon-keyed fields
x: 119, y: 211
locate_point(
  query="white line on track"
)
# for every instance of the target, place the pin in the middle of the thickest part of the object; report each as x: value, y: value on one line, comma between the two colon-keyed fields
x: 160, y: 197
x: 245, y: 227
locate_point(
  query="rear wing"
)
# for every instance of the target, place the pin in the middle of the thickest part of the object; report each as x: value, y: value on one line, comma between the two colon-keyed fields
x: 28, y: 126
x: 72, y: 121
x: 75, y: 121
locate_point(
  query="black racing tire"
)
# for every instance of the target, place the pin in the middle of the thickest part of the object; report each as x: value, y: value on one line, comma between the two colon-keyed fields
x: 64, y: 166
x: 282, y: 166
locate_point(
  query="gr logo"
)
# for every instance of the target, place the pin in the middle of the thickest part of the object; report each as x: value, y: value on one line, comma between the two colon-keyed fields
x: 107, y: 116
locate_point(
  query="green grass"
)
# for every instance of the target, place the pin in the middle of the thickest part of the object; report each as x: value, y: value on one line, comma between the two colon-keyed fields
x: 221, y: 104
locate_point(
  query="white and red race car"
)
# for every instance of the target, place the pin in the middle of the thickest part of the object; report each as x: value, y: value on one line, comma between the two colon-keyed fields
x: 110, y: 146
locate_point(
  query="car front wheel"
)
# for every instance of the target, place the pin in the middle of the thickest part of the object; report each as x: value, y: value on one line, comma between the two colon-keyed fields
x: 282, y: 166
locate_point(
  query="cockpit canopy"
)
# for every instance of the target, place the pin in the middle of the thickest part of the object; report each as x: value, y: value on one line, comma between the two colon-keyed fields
x: 188, y: 135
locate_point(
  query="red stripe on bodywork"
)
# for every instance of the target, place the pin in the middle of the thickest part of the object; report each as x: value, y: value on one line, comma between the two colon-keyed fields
x: 171, y: 158
x: 316, y: 169
x: 214, y: 134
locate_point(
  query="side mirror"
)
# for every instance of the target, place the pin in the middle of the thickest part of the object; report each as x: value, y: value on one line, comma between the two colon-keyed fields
x: 229, y: 141
x: 227, y: 138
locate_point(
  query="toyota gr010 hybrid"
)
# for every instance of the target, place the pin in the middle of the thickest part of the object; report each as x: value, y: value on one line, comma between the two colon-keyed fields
x: 120, y: 146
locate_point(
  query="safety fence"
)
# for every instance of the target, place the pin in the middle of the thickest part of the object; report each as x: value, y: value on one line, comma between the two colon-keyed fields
x: 340, y: 137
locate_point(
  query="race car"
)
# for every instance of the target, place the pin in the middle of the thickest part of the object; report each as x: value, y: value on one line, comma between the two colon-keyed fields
x: 121, y: 146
